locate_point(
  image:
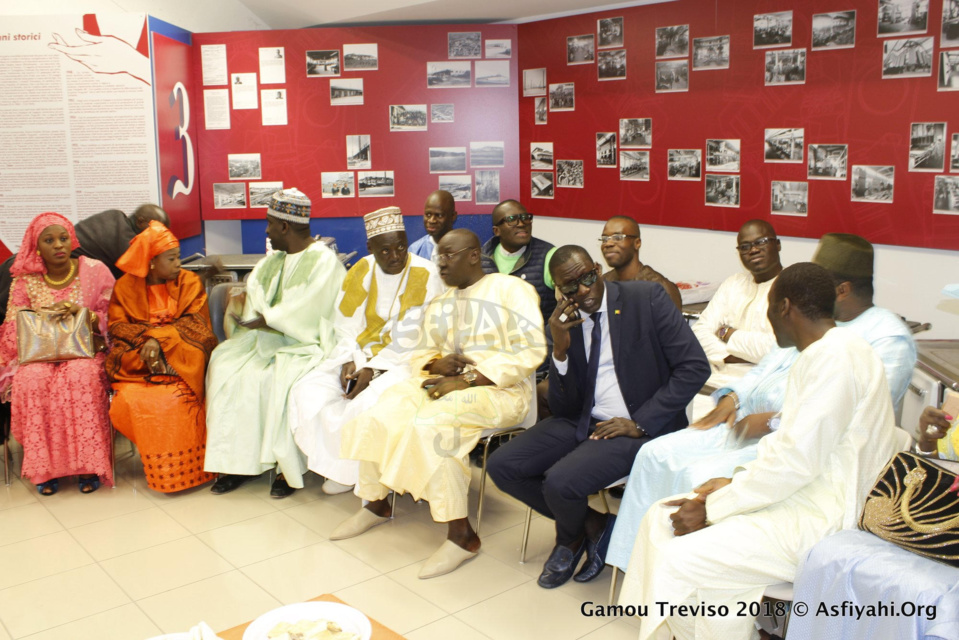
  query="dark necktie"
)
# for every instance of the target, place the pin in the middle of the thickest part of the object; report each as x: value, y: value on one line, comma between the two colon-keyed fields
x: 592, y: 369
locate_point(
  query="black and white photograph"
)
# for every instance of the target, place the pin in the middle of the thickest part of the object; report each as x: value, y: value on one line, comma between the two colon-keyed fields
x: 610, y: 32
x: 773, y: 30
x: 358, y: 152
x: 927, y: 146
x: 945, y: 197
x: 954, y: 155
x: 672, y: 42
x: 540, y: 155
x: 534, y: 82
x: 491, y: 73
x: 872, y: 183
x: 672, y: 76
x: 722, y: 155
x: 569, y: 173
x: 787, y: 66
x: 322, y: 63
x: 789, y: 198
x: 907, y: 58
x: 827, y: 161
x: 447, y: 159
x: 836, y: 30
x: 229, y: 195
x: 262, y: 192
x: 449, y: 74
x: 684, y: 164
x: 722, y: 190
x: 361, y: 57
x: 784, y: 145
x: 338, y: 184
x: 244, y: 166
x: 487, y: 154
x: 950, y: 24
x: 562, y: 96
x: 710, y: 53
x: 541, y: 184
x: 499, y: 49
x: 634, y: 165
x: 606, y: 150
x: 408, y: 117
x: 539, y: 110
x: 949, y: 71
x: 346, y: 91
x: 487, y: 187
x: 635, y: 133
x: 460, y: 186
x: 375, y: 184
x: 902, y: 17
x: 581, y: 49
x: 441, y: 113
x: 465, y: 44
x: 611, y: 64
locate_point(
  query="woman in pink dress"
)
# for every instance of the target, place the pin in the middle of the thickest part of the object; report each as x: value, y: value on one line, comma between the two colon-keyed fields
x: 60, y: 409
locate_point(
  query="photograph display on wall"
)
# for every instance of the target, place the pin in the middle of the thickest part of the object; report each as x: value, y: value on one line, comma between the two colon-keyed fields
x: 361, y: 57
x: 722, y: 155
x: 635, y: 133
x: 836, y: 30
x: 541, y: 155
x: 358, y: 154
x: 672, y: 76
x: 322, y: 63
x: 534, y: 82
x: 945, y: 197
x: 542, y: 184
x: 907, y: 58
x: 449, y: 74
x: 710, y: 53
x: 460, y: 186
x: 467, y: 44
x: 338, y: 184
x: 487, y: 187
x: 492, y: 73
x: 441, y: 113
x: 606, y: 150
x: 634, y: 165
x: 375, y: 184
x: 408, y: 117
x: 949, y: 71
x: 954, y: 155
x: 827, y: 161
x: 784, y: 145
x: 229, y: 195
x: 722, y: 190
x: 447, y: 159
x: 610, y: 32
x: 786, y: 66
x: 788, y: 198
x: 773, y: 30
x: 949, y: 36
x: 569, y: 173
x: 902, y: 17
x: 611, y: 65
x: 581, y: 49
x: 872, y: 183
x: 499, y: 48
x: 244, y: 166
x: 927, y: 146
x: 684, y: 164
x: 539, y: 110
x: 672, y: 42
x: 562, y: 96
x: 346, y: 91
x: 261, y: 192
x: 487, y: 154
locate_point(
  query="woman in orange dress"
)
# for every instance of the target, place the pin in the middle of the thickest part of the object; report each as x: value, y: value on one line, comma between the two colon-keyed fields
x: 161, y: 342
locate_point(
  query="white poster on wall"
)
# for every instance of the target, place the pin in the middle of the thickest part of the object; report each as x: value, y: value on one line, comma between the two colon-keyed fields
x: 243, y: 86
x: 216, y: 108
x: 274, y: 106
x: 213, y: 62
x: 272, y: 65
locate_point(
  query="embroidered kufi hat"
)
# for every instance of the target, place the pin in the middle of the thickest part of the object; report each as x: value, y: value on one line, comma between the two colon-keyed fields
x: 383, y: 221
x: 290, y: 205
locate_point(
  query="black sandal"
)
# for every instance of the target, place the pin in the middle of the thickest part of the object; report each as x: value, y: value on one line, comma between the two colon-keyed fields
x: 88, y: 484
x: 49, y: 487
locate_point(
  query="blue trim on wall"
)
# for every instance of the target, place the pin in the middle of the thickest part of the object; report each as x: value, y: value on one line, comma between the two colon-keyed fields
x: 191, y: 245
x: 171, y: 31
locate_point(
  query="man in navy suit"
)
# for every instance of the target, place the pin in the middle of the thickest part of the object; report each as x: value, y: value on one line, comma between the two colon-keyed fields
x: 624, y: 366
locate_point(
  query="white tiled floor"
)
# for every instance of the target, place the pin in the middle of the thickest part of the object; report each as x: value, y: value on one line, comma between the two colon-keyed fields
x: 128, y: 563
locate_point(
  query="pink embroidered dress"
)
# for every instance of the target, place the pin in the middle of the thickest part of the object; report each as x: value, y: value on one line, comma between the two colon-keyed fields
x: 60, y: 411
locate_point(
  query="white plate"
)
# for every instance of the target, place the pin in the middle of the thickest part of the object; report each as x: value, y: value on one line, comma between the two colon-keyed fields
x: 348, y: 618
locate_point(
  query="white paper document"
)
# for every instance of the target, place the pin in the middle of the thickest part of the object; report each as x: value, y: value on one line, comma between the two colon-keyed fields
x: 272, y: 65
x: 213, y: 59
x: 244, y: 90
x: 216, y: 108
x: 274, y: 106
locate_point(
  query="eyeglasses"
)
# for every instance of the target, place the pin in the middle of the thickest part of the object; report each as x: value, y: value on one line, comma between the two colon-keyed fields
x: 444, y: 258
x: 586, y: 280
x: 761, y: 242
x: 615, y: 237
x: 515, y: 220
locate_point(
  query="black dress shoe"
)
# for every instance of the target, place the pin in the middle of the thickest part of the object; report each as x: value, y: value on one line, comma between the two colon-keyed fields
x: 596, y: 549
x: 560, y: 566
x: 226, y: 483
x: 280, y: 488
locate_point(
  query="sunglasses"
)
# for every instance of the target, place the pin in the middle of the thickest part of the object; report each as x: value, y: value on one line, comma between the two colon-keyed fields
x: 587, y: 281
x: 515, y: 220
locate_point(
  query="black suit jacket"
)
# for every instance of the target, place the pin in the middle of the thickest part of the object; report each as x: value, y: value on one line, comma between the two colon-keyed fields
x: 659, y: 363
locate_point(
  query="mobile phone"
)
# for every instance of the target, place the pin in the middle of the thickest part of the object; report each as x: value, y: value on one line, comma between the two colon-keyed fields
x: 350, y: 384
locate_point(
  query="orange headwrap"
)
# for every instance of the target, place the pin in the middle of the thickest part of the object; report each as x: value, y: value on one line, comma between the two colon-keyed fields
x: 151, y: 242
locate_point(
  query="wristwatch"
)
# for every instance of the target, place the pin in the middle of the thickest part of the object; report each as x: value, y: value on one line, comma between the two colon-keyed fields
x: 470, y: 378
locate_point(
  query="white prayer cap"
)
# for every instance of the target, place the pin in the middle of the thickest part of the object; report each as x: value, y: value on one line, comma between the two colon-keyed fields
x: 383, y: 221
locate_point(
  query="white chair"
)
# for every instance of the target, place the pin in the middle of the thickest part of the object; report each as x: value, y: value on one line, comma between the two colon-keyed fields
x: 771, y: 623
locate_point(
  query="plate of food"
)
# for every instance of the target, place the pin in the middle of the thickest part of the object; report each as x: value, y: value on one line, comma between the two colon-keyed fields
x: 310, y: 621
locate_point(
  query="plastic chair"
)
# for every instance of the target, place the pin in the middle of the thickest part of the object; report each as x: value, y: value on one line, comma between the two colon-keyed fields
x: 217, y: 302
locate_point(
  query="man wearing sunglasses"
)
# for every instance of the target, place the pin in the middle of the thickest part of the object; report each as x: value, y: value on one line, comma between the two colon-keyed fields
x: 620, y: 245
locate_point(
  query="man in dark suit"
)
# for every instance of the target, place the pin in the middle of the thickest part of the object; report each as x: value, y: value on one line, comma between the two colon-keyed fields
x: 624, y: 366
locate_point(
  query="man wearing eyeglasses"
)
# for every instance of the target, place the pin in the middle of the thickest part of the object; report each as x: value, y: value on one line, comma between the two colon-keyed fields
x: 620, y: 245
x: 439, y: 214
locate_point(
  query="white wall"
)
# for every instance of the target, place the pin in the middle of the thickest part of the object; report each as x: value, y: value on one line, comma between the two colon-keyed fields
x: 908, y: 281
